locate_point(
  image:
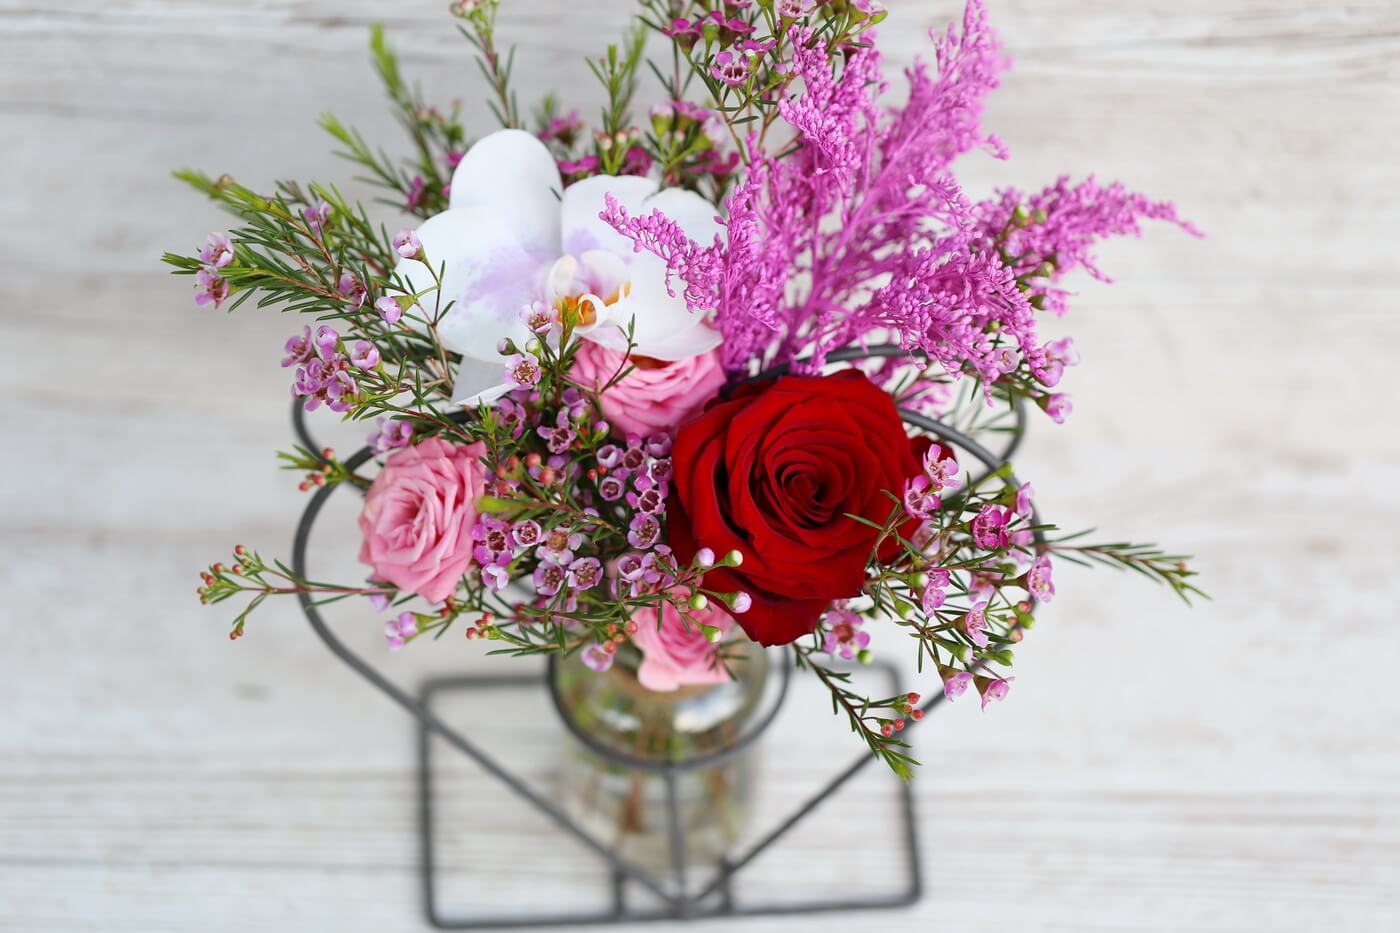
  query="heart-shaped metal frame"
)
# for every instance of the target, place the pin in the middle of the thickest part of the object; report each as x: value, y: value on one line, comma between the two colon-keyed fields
x: 712, y: 899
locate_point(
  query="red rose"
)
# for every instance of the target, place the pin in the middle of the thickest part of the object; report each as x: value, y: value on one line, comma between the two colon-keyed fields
x: 774, y: 472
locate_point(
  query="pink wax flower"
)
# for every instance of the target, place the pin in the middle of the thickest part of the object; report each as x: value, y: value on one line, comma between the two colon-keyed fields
x: 993, y: 688
x: 400, y: 630
x: 1025, y: 499
x: 974, y: 625
x: 352, y: 289
x: 415, y: 196
x: 1053, y: 358
x: 365, y: 355
x: 300, y: 350
x: 316, y: 215
x: 989, y: 527
x: 213, y: 288
x: 219, y: 252
x: 1057, y: 406
x: 677, y: 654
x: 955, y: 682
x: 684, y: 31
x: 389, y: 309
x: 565, y: 129
x: 389, y: 435
x: 841, y: 633
x: 920, y: 500
x: 1006, y: 360
x: 587, y: 164
x: 407, y: 244
x: 418, y: 517
x: 596, y: 658
x: 522, y: 370
x: 731, y: 69
x: 934, y: 596
x: 1039, y: 580
x: 1063, y: 351
x: 794, y: 9
x: 941, y: 466
x: 654, y: 396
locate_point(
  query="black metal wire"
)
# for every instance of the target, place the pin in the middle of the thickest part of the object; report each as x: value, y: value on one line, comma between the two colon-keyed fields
x: 692, y: 906
x: 300, y: 429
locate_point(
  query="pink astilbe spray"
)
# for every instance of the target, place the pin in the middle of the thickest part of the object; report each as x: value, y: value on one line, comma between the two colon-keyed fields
x: 1067, y: 221
x: 858, y: 233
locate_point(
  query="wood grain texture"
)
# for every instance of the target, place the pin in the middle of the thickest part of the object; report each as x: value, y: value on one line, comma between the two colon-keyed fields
x: 1228, y: 769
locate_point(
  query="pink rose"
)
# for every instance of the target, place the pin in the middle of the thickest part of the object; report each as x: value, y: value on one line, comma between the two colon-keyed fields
x: 677, y: 654
x: 418, y: 517
x: 655, y: 396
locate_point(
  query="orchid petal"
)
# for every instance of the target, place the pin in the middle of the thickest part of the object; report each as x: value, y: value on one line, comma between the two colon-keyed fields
x: 479, y: 381
x: 488, y: 275
x: 699, y: 339
x: 597, y: 277
x: 663, y: 327
x: 584, y: 230
x: 697, y: 217
x: 511, y: 177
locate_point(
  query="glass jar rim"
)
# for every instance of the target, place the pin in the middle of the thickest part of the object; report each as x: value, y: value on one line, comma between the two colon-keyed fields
x: 771, y: 701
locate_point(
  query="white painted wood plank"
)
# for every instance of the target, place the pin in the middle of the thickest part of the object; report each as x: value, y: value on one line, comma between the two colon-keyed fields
x: 1228, y: 769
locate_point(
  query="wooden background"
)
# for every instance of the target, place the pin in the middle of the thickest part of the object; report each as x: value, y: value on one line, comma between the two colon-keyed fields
x: 1232, y: 768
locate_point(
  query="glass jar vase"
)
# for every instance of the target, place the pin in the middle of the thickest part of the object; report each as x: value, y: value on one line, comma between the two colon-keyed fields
x: 663, y: 778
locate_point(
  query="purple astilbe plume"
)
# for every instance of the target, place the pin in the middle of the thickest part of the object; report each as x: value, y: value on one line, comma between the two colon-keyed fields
x: 899, y: 219
x: 858, y: 233
x: 1068, y: 221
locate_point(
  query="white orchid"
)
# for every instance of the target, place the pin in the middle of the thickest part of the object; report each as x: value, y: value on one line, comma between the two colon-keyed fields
x: 508, y: 239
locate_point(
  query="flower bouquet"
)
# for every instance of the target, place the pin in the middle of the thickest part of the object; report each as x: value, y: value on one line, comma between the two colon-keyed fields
x: 653, y: 393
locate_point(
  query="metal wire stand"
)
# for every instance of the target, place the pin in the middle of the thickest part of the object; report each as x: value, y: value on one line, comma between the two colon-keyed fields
x: 711, y: 898
x: 678, y: 901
